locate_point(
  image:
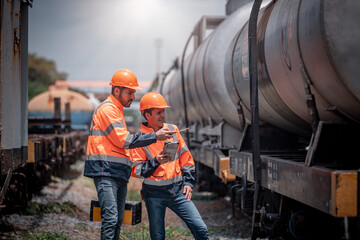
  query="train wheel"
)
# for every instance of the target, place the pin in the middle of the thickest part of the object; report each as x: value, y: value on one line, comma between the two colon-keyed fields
x: 308, y: 223
x: 17, y: 194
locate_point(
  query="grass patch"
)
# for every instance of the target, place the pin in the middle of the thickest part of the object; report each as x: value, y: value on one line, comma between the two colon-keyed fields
x: 133, y: 196
x: 213, y: 230
x: 42, y: 235
x: 39, y: 209
x: 142, y: 233
x: 175, y: 232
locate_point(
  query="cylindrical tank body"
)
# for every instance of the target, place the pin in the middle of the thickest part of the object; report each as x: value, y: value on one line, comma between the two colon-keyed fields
x: 207, y: 95
x: 318, y: 35
x: 173, y: 114
x: 81, y: 107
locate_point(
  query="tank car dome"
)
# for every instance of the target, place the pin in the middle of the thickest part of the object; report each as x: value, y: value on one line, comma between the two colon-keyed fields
x: 81, y: 107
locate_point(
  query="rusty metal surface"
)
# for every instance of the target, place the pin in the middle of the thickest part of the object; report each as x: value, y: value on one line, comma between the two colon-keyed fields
x: 50, y: 154
x: 13, y: 84
x: 309, y: 185
x: 24, y: 73
x: 344, y: 193
x: 329, y: 45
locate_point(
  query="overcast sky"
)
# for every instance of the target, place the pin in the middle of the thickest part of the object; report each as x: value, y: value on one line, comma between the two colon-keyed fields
x: 92, y: 39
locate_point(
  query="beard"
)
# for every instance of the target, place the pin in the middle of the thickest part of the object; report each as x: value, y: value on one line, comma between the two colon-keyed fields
x: 128, y: 103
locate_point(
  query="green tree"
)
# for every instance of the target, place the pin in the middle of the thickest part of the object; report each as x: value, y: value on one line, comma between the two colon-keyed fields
x: 42, y: 74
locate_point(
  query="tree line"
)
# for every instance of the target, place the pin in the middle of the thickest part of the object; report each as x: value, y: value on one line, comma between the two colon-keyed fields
x: 42, y: 74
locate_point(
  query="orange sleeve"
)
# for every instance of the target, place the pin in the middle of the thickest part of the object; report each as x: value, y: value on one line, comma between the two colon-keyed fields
x: 113, y: 125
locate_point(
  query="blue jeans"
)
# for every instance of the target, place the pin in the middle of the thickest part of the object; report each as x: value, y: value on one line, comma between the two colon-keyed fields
x: 185, y: 209
x: 111, y: 194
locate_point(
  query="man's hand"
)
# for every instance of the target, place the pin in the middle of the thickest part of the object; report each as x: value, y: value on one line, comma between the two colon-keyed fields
x: 164, y: 134
x: 188, y: 192
x: 163, y: 157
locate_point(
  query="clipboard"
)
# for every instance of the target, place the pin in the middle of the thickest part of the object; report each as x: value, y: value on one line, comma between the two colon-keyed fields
x: 171, y: 148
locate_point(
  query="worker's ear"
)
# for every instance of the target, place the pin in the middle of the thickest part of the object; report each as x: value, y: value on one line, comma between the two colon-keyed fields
x: 146, y: 115
x: 117, y: 91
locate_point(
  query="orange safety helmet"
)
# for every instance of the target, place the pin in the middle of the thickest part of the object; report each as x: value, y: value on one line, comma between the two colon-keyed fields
x: 125, y: 78
x: 152, y: 100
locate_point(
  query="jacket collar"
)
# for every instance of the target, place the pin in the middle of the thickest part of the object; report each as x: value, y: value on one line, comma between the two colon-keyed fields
x: 115, y: 101
x: 146, y: 129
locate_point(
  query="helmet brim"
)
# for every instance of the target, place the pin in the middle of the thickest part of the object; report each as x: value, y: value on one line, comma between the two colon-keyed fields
x: 166, y: 106
x: 142, y: 109
x: 136, y: 88
x: 133, y: 88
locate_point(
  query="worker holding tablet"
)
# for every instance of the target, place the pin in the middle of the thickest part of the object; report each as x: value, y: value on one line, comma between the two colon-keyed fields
x: 169, y: 174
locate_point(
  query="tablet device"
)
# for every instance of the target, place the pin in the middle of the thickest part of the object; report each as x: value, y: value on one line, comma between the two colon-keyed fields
x: 171, y: 149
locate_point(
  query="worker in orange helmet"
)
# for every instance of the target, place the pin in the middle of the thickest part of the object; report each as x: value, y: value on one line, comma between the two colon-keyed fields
x: 108, y: 159
x: 168, y: 183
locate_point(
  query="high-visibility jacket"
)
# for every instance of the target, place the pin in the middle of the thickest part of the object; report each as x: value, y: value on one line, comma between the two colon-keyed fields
x: 109, y: 142
x: 163, y: 180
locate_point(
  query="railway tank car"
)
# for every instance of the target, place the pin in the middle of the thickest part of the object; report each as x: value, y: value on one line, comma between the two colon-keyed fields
x: 27, y: 161
x: 82, y: 108
x: 309, y: 110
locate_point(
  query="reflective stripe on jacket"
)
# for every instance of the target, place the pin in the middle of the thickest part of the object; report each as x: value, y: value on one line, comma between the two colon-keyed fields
x: 109, y: 141
x: 167, y: 179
